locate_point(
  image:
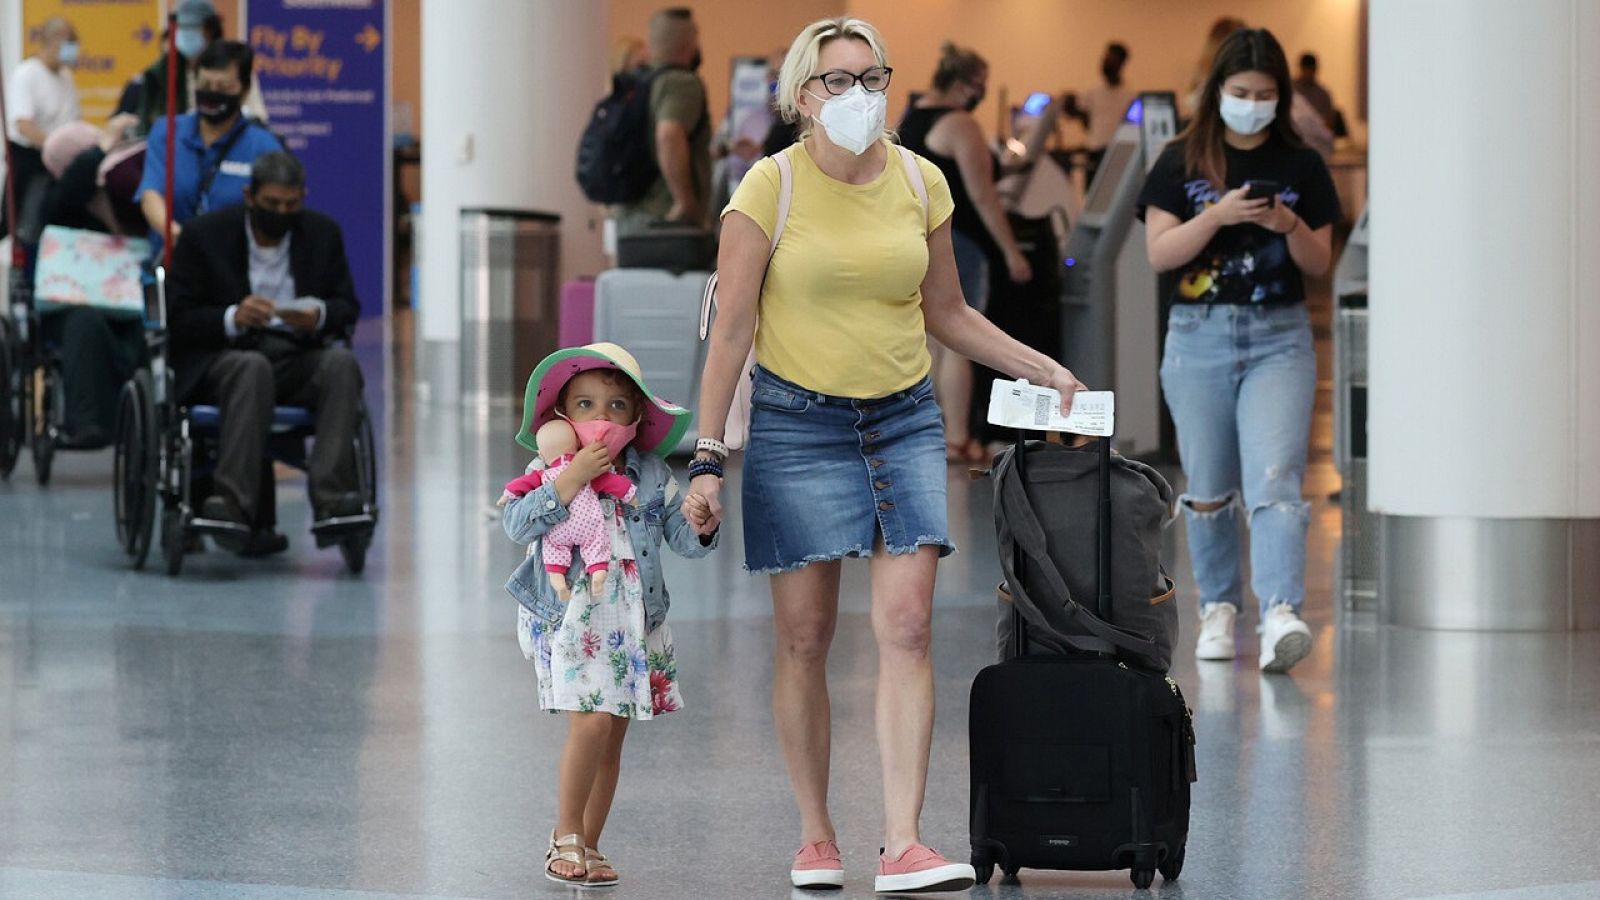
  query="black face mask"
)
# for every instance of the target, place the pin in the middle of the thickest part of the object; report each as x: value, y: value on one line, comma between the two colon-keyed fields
x: 1112, y: 71
x: 216, y: 106
x: 975, y: 99
x: 273, y: 225
x: 694, y: 64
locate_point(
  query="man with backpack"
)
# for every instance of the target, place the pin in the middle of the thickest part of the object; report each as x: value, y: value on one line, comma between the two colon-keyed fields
x: 647, y: 150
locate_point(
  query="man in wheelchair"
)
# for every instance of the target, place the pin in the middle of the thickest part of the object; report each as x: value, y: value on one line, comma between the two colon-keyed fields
x: 256, y: 298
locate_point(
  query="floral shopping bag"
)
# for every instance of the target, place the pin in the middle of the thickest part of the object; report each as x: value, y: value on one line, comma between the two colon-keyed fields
x: 87, y: 268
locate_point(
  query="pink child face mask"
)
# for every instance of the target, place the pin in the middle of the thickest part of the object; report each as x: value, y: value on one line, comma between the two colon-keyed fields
x: 615, y: 437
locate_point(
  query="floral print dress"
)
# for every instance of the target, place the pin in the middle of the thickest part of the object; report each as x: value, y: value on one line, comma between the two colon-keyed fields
x: 599, y: 658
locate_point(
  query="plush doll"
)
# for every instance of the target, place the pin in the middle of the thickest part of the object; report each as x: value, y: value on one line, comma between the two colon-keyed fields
x: 585, y: 527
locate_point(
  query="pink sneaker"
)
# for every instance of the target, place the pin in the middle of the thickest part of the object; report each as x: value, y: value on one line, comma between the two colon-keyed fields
x: 817, y: 866
x: 919, y: 869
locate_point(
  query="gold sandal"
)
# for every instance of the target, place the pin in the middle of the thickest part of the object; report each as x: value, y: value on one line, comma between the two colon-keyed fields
x: 557, y: 853
x: 601, y: 872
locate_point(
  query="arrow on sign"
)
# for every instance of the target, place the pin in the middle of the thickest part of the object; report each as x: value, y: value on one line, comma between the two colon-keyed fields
x: 144, y: 35
x: 369, y: 38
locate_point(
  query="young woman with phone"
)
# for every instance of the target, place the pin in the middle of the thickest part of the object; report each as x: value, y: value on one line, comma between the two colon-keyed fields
x: 1244, y: 210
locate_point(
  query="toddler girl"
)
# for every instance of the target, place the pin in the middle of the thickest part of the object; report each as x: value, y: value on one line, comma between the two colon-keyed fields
x: 603, y: 654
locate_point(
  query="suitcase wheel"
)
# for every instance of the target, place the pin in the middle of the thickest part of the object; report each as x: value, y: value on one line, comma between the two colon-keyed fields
x: 1143, y: 878
x: 984, y: 871
x: 1172, y: 866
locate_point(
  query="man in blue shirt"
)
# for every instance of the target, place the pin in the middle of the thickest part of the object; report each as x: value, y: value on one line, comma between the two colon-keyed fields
x: 215, y: 145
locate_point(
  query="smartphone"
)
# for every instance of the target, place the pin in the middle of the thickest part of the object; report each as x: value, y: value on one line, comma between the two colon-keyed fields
x: 1263, y: 189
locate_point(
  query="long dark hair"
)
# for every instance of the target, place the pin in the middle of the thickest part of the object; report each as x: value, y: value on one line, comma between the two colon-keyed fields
x: 1246, y: 50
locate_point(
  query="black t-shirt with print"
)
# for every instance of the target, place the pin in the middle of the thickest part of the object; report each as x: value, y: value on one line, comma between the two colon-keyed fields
x: 1243, y: 263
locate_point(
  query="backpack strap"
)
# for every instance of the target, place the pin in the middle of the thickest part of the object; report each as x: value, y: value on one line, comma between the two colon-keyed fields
x: 223, y: 149
x: 914, y: 175
x: 785, y: 198
x: 708, y: 299
x: 1022, y: 531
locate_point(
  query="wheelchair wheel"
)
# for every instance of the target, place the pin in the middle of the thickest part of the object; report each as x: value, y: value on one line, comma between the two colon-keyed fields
x: 354, y: 548
x: 10, y: 400
x: 47, y: 423
x: 367, y: 464
x: 137, y: 467
x: 174, y: 532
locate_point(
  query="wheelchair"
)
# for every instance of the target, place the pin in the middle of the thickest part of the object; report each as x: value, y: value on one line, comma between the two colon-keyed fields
x: 32, y: 403
x: 163, y: 447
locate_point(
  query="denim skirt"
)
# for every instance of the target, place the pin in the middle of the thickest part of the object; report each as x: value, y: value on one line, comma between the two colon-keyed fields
x: 825, y: 477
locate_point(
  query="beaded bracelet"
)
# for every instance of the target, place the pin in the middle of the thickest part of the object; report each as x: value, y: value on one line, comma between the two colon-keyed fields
x: 705, y: 467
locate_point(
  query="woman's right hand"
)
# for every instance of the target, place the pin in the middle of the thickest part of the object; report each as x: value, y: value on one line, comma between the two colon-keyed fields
x: 708, y: 518
x: 1236, y: 207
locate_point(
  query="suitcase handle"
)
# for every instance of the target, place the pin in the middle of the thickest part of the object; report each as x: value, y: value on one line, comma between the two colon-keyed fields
x: 1102, y: 575
x: 1106, y: 637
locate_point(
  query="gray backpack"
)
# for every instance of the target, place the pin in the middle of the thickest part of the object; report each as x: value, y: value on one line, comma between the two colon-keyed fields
x: 1080, y: 545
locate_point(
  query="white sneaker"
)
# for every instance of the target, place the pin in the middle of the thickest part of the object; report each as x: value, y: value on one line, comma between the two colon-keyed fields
x: 1216, y: 632
x: 1285, y: 640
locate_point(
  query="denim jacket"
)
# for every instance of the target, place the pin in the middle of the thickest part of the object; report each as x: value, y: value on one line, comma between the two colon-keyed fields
x: 656, y: 515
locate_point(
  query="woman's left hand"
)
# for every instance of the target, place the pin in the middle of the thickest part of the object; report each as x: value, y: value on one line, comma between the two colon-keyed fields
x: 1278, y: 217
x: 1066, y: 384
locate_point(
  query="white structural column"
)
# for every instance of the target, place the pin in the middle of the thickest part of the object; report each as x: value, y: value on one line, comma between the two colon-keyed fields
x: 1484, y: 420
x: 507, y: 86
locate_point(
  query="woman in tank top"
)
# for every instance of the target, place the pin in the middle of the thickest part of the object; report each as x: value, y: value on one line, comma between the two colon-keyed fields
x: 940, y: 127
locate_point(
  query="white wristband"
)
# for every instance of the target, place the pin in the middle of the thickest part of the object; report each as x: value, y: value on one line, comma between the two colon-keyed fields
x: 713, y: 446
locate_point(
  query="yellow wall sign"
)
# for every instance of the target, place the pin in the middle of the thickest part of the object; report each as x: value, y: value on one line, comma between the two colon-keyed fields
x: 117, y: 40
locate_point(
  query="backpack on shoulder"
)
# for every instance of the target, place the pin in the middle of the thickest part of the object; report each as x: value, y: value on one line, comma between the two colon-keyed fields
x: 615, y: 162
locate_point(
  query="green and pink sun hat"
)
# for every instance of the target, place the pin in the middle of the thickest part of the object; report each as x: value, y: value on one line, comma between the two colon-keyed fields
x: 660, y: 429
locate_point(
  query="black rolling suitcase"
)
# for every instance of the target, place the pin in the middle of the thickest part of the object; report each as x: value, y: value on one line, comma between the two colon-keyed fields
x: 1079, y: 760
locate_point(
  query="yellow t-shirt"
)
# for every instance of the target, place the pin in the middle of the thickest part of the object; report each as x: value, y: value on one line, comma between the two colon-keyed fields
x: 841, y: 309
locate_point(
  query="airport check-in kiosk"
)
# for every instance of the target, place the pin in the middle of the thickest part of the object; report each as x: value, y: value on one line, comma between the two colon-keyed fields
x: 1111, y: 316
x: 1359, y: 551
x: 1037, y: 187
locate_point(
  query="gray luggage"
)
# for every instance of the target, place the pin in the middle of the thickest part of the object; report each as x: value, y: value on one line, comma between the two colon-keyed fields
x: 673, y: 246
x: 1066, y: 517
x: 656, y: 316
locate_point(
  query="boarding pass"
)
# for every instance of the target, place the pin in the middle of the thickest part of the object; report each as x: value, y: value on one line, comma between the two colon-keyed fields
x: 1018, y: 404
x: 299, y: 304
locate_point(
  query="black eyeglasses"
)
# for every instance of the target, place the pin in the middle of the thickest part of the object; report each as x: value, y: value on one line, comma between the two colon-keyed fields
x: 837, y: 81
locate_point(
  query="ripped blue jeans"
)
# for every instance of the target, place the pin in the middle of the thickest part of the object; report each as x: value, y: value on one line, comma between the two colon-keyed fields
x: 1240, y: 382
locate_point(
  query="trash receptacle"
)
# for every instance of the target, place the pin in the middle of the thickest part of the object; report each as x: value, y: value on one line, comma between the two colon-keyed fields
x: 1358, y: 548
x: 1360, y: 542
x: 510, y: 300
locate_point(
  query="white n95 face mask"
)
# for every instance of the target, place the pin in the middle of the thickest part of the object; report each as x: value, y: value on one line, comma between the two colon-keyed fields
x: 1247, y: 116
x: 854, y: 119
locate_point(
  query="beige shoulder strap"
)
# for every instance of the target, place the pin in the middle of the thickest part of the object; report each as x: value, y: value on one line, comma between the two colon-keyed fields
x: 914, y: 173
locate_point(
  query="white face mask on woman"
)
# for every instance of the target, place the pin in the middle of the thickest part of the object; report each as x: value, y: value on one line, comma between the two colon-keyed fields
x: 854, y: 119
x: 1247, y: 116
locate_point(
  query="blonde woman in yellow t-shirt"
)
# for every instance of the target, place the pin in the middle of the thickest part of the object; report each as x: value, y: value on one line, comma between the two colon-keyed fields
x: 846, y: 446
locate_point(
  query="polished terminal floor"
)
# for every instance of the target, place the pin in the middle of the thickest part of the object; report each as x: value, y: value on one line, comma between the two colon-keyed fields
x: 280, y: 729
